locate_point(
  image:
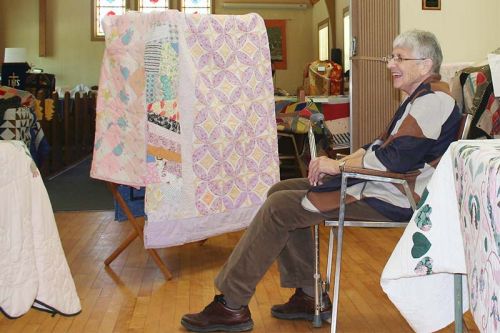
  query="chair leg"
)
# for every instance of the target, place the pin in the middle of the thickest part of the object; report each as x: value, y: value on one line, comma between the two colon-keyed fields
x: 298, y: 159
x: 317, y: 281
x: 336, y: 282
x: 328, y: 278
x: 338, y: 261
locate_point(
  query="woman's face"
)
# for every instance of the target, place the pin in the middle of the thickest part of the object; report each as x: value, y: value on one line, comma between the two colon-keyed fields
x: 407, y: 70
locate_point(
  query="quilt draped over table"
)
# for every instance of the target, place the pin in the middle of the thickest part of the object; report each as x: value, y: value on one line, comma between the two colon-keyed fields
x: 186, y: 108
x: 455, y: 229
x: 34, y: 271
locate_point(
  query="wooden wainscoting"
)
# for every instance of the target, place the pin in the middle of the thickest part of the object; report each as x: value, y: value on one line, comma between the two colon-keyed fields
x: 69, y: 126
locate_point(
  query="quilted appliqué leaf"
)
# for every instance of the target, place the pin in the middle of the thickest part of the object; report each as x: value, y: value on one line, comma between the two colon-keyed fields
x: 423, y: 198
x: 422, y: 219
x: 421, y: 245
x: 424, y: 266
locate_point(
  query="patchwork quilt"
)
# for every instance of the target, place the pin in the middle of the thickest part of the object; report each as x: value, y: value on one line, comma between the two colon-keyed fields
x: 26, y: 98
x: 186, y: 108
x: 18, y: 121
x: 292, y: 117
x: 480, y: 101
x: 16, y: 124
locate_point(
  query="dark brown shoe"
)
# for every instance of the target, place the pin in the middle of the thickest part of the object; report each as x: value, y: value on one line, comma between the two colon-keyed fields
x: 301, y: 306
x: 218, y: 317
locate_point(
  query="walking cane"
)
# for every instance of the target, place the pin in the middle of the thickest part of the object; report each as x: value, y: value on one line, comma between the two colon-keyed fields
x: 316, y: 118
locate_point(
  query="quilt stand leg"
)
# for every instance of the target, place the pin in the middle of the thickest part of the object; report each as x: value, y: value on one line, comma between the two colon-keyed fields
x: 136, y: 232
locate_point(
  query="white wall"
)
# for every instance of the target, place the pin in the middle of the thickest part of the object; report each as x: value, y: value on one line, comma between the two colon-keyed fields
x: 339, y: 21
x: 71, y: 55
x: 467, y: 30
x: 319, y: 14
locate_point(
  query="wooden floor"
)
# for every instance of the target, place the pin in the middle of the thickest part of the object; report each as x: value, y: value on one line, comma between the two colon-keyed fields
x: 132, y: 295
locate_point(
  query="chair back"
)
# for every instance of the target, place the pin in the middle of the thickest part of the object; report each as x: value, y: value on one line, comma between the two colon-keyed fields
x: 464, y: 128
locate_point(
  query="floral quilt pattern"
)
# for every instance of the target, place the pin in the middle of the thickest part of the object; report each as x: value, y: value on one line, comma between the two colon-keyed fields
x: 455, y: 230
x: 477, y: 180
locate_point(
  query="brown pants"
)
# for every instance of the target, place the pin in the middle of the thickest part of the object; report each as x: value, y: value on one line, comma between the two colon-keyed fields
x: 280, y: 230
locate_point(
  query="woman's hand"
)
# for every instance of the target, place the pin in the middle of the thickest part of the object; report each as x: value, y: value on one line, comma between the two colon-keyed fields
x: 321, y: 166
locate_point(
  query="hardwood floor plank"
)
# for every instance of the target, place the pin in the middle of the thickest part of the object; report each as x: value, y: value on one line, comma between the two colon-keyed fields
x: 131, y: 295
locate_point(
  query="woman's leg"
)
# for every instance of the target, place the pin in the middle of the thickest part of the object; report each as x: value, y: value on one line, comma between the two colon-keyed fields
x: 266, y: 237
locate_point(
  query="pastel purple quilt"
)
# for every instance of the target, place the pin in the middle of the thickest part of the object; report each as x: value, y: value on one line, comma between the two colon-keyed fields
x: 186, y: 108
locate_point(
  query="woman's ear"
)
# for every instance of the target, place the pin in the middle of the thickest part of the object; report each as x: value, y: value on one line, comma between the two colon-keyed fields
x: 426, y: 66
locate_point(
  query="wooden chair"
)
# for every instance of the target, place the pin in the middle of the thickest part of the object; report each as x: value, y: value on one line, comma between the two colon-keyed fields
x: 296, y: 153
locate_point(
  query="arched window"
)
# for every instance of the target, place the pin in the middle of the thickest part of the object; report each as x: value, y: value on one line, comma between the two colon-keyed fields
x: 196, y: 6
x: 101, y: 9
x: 152, y: 5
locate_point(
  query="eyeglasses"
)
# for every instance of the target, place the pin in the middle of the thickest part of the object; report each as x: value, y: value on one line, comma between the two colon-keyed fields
x: 398, y: 59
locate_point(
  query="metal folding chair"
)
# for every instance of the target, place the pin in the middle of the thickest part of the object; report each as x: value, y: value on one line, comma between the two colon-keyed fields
x: 370, y: 175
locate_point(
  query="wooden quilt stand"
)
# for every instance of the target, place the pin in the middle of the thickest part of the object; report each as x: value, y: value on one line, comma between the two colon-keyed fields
x: 136, y: 232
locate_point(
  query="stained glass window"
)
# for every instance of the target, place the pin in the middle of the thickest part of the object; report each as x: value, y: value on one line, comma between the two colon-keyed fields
x: 103, y: 8
x: 196, y: 6
x: 152, y: 5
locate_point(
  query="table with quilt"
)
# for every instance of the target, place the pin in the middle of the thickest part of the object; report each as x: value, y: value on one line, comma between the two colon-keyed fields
x: 185, y: 108
x: 455, y: 229
x: 34, y: 271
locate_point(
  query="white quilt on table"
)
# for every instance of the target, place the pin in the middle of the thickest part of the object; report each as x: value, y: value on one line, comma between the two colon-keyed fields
x: 418, y: 278
x: 34, y: 271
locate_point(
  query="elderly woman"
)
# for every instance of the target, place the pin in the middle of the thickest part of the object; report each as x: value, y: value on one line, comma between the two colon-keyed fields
x: 418, y: 135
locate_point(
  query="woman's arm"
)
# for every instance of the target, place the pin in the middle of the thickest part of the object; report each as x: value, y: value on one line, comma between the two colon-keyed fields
x: 321, y: 166
x: 356, y: 154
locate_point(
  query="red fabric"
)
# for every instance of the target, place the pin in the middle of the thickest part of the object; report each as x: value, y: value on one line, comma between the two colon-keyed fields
x: 335, y: 111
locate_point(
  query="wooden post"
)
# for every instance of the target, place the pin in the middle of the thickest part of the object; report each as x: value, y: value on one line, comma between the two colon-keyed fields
x: 77, y: 134
x: 42, y: 26
x: 68, y: 131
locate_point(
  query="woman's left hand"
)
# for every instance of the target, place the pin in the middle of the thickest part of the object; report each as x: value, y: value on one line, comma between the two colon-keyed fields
x: 321, y: 166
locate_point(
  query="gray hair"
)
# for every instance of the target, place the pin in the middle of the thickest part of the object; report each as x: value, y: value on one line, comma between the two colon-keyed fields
x: 423, y: 44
